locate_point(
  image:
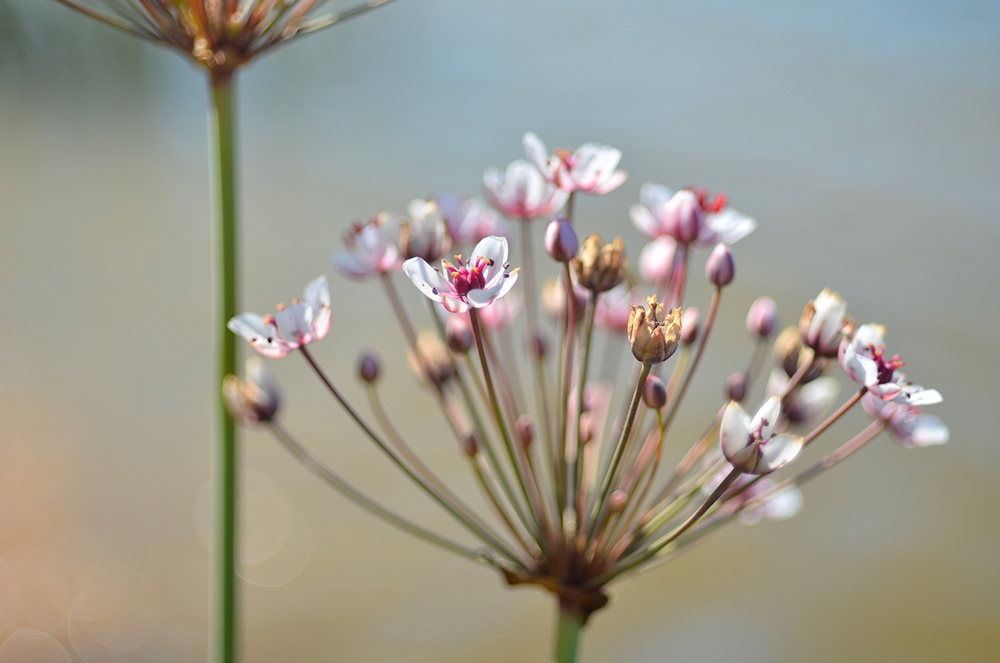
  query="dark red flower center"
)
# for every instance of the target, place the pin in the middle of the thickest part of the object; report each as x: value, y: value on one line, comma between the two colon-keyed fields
x: 469, y: 276
x: 886, y: 367
x: 713, y: 205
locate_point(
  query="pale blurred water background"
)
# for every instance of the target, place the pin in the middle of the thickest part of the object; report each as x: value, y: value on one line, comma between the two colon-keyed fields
x: 865, y: 137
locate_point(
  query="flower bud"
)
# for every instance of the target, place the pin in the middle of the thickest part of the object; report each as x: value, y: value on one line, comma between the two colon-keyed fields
x: 683, y: 216
x: 789, y: 353
x: 599, y: 266
x: 652, y: 334
x: 824, y: 322
x: 538, y: 346
x: 368, y: 367
x: 525, y: 426
x: 617, y: 501
x: 560, y: 240
x: 459, y: 334
x: 254, y: 398
x: 586, y: 427
x: 763, y: 317
x: 720, y: 268
x: 654, y: 394
x: 736, y: 387
x: 689, y: 325
x: 471, y: 445
x: 435, y: 363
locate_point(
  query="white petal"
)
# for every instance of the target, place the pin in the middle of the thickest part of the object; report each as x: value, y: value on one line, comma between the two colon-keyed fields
x: 349, y: 264
x: 427, y: 279
x: 537, y: 153
x: 317, y: 293
x: 734, y: 433
x: 766, y: 417
x: 928, y: 431
x: 868, y: 334
x: 816, y: 397
x: 859, y: 368
x: 494, y: 250
x: 915, y: 395
x: 262, y: 337
x: 486, y: 296
x: 654, y: 197
x: 728, y: 226
x: 778, y: 451
x: 609, y: 184
x: 644, y: 221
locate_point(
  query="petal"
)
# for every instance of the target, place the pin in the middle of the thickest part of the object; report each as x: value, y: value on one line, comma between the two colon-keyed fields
x: 427, y: 279
x: 778, y: 451
x: 861, y: 369
x: 537, y: 153
x: 494, y: 250
x: 350, y: 265
x: 734, y: 433
x: 928, y: 431
x: 728, y: 226
x: 766, y: 417
x: 654, y: 197
x: 916, y: 395
x: 816, y: 397
x: 609, y: 184
x: 486, y: 296
x: 262, y: 337
x: 656, y: 262
x: 644, y: 221
x: 317, y: 293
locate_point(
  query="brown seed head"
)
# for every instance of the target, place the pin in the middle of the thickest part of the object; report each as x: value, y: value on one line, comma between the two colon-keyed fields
x: 653, y: 334
x: 599, y: 266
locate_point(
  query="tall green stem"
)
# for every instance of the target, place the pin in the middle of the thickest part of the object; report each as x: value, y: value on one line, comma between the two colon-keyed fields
x: 225, y: 604
x: 568, y: 629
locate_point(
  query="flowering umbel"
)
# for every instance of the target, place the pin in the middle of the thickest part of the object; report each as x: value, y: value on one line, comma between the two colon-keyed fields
x: 652, y: 333
x: 575, y: 480
x: 219, y: 34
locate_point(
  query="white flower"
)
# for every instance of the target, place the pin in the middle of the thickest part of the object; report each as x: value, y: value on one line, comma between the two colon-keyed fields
x: 905, y: 421
x: 469, y: 220
x: 688, y: 216
x: 750, y: 445
x: 371, y: 248
x: 424, y: 235
x: 863, y: 359
x: 592, y: 168
x: 780, y: 505
x: 521, y: 192
x: 476, y: 283
x: 254, y: 398
x: 303, y: 322
x: 823, y: 323
x: 807, y: 401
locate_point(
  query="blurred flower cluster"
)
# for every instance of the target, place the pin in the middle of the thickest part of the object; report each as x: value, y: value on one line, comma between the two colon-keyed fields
x: 573, y: 461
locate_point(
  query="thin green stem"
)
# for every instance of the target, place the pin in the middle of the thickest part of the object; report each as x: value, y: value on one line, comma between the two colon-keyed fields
x: 569, y: 626
x: 226, y: 460
x: 321, y: 470
x: 588, y: 332
x: 602, y: 501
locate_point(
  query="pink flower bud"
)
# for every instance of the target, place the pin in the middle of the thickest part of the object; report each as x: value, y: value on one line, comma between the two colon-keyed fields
x: 368, y: 367
x: 459, y: 333
x: 525, y: 426
x: 689, y: 325
x: 763, y: 317
x: 683, y: 216
x: 617, y: 501
x: 654, y: 394
x: 471, y: 445
x: 720, y: 268
x: 736, y: 387
x: 560, y: 240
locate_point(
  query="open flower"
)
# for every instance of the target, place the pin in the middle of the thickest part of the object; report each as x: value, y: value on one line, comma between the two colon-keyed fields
x: 592, y: 168
x: 475, y: 283
x: 371, y: 248
x: 521, y: 192
x: 824, y: 323
x: 751, y: 444
x: 906, y: 422
x: 688, y: 216
x: 424, y: 235
x: 305, y: 321
x: 469, y: 220
x: 863, y: 359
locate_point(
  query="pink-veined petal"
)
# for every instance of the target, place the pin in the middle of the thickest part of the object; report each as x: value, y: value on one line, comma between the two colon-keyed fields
x: 262, y: 337
x: 494, y: 250
x: 486, y: 296
x: 427, y: 279
x: 615, y: 180
x: 734, y: 432
x: 778, y: 451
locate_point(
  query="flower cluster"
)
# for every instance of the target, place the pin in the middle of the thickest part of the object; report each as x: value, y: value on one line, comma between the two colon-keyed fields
x: 574, y: 467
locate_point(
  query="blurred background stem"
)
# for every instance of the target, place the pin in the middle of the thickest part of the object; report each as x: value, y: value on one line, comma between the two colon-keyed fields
x: 223, y: 646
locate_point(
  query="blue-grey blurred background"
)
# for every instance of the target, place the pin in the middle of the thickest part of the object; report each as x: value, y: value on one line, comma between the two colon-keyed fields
x: 864, y: 137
